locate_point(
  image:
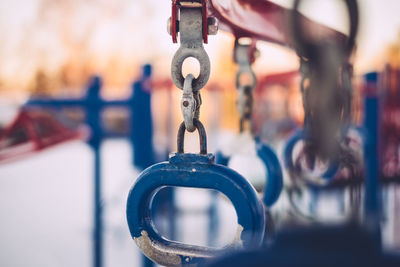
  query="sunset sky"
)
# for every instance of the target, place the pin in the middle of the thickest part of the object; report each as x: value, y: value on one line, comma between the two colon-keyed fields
x: 113, y: 38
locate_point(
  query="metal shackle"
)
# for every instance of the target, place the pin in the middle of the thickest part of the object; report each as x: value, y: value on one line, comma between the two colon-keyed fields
x: 202, y: 137
x: 191, y: 171
x: 191, y: 39
x: 274, y: 176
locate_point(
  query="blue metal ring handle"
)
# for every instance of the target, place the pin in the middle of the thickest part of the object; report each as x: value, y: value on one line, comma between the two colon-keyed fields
x: 274, y: 176
x: 221, y: 159
x: 327, y: 176
x: 195, y: 171
x: 274, y: 183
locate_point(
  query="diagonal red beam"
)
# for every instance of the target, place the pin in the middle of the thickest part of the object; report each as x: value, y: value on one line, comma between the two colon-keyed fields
x: 263, y: 20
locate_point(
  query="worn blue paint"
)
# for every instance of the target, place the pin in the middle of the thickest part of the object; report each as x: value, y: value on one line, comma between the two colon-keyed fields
x: 195, y: 171
x: 140, y: 136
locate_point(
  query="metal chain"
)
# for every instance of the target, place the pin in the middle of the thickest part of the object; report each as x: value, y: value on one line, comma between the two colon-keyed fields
x: 327, y: 91
x: 245, y: 107
x: 325, y: 85
x: 193, y: 27
x: 244, y: 56
x: 190, y: 103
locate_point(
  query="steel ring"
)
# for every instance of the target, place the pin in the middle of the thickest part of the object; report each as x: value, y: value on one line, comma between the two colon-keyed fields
x: 177, y: 62
x: 252, y: 74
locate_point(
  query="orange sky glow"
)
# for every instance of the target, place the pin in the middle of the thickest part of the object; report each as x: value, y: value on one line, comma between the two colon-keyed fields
x: 70, y: 40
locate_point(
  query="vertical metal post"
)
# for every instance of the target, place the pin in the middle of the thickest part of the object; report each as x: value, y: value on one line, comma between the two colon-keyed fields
x: 141, y: 137
x: 141, y: 121
x: 141, y: 132
x: 98, y: 212
x: 371, y: 152
x: 93, y: 119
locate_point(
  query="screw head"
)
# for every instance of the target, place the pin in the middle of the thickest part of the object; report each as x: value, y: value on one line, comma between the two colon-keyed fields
x: 169, y: 25
x: 169, y: 22
x: 212, y: 26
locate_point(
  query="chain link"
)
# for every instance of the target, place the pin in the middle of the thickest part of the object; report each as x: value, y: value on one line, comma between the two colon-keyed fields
x: 193, y: 27
x: 244, y: 55
x: 190, y: 103
x: 326, y: 85
x: 191, y: 39
x: 327, y: 93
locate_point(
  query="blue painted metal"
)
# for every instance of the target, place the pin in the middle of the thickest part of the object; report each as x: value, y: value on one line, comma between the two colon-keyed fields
x: 274, y: 176
x: 139, y: 105
x: 194, y: 171
x: 347, y: 245
x: 140, y: 136
x: 98, y: 211
x: 141, y: 121
x: 299, y: 135
x: 371, y: 151
x: 274, y: 184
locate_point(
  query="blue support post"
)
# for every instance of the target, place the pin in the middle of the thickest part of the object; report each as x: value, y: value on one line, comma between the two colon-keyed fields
x: 371, y: 152
x: 139, y: 106
x: 98, y: 212
x: 143, y: 155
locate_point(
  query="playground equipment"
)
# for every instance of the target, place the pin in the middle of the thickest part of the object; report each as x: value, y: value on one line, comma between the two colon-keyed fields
x: 33, y: 131
x: 140, y: 135
x: 326, y: 86
x: 191, y: 170
x: 197, y: 171
x: 271, y: 185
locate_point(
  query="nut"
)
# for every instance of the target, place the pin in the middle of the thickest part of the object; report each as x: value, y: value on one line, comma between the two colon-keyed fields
x: 212, y: 26
x: 169, y: 21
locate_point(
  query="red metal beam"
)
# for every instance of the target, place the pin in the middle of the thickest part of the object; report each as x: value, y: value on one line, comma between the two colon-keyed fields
x: 263, y: 20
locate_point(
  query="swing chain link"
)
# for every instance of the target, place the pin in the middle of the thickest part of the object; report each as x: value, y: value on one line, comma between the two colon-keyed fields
x: 326, y: 84
x: 193, y: 27
x: 244, y: 55
x: 190, y: 104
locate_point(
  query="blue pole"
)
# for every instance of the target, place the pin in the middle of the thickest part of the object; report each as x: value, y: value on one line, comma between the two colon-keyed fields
x: 141, y: 132
x: 93, y: 119
x: 141, y: 138
x: 141, y: 121
x: 371, y: 152
x: 98, y: 211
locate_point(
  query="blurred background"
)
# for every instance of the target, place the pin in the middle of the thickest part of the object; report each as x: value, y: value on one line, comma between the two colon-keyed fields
x: 52, y: 49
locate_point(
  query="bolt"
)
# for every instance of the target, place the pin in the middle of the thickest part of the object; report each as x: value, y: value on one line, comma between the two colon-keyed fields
x: 169, y: 26
x: 185, y: 103
x: 212, y: 26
